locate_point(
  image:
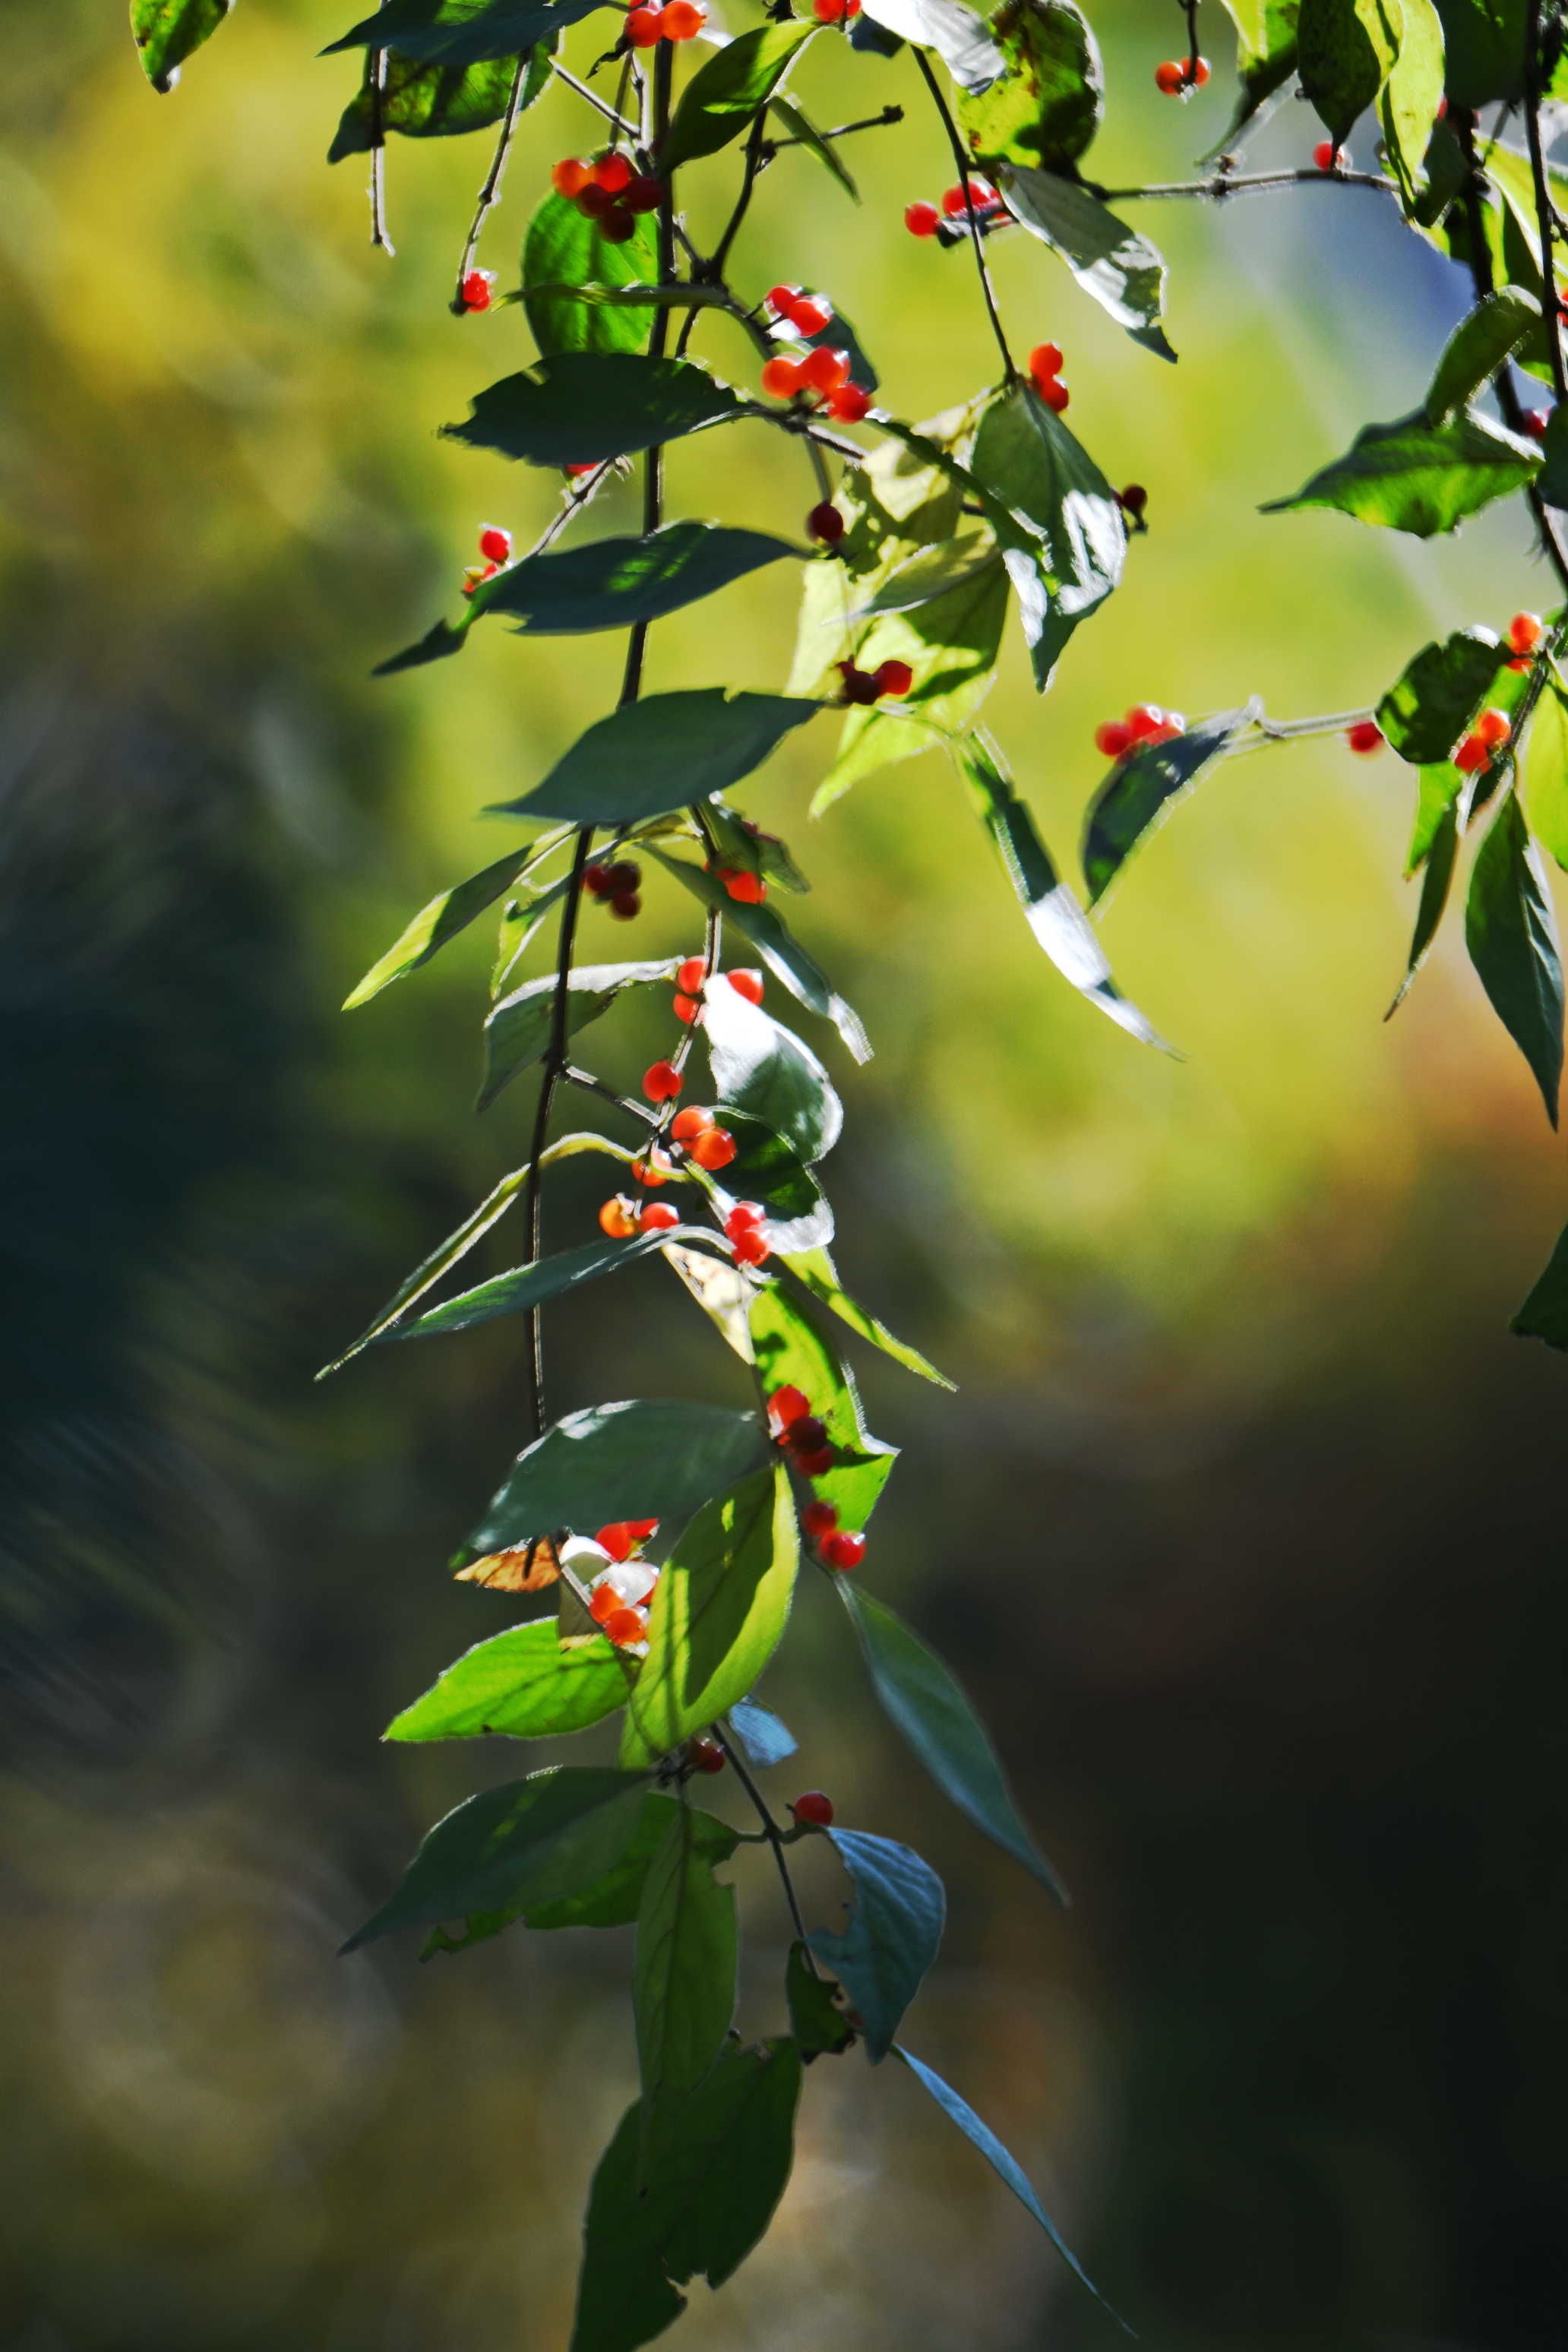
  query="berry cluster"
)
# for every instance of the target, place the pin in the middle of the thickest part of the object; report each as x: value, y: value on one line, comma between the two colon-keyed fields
x: 495, y: 546
x: 1477, y: 752
x: 689, y: 982
x: 924, y: 219
x: 1179, y: 77
x: 678, y: 20
x: 1045, y: 368
x: 608, y: 189
x: 616, y: 886
x: 1145, y: 723
x: 795, y: 1426
x: 620, y: 1595
x: 835, y: 12
x: 893, y: 678
x: 824, y: 369
x: 478, y: 289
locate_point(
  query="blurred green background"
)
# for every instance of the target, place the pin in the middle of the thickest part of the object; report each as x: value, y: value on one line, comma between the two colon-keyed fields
x: 1244, y: 1528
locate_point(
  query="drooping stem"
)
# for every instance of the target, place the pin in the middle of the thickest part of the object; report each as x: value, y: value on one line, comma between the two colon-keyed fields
x: 490, y: 192
x: 1190, y: 10
x: 774, y: 1836
x: 378, y: 235
x: 627, y: 130
x: 1544, y: 211
x: 975, y: 237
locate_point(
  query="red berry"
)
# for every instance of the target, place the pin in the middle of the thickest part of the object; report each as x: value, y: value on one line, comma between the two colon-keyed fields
x: 1535, y: 422
x: 495, y: 543
x: 619, y: 1218
x: 642, y: 193
x: 575, y: 473
x: 596, y: 881
x: 476, y: 290
x: 1145, y: 719
x: 626, y: 904
x: 622, y: 876
x: 1133, y: 499
x: 624, y: 1626
x: 894, y: 678
x: 654, y: 1167
x: 1364, y: 737
x: 658, y: 1218
x: 819, y: 1518
x: 476, y: 574
x: 858, y: 684
x: 826, y: 368
x: 825, y: 522
x: 829, y: 12
x: 1471, y: 756
x: 617, y: 1540
x: 593, y: 202
x: 849, y: 404
x: 1492, y: 727
x: 1200, y: 73
x: 1113, y: 740
x: 781, y: 300
x: 748, y: 984
x: 817, y: 1463
x: 1045, y: 361
x: 814, y: 1809
x: 640, y: 1530
x: 806, y: 1432
x: 743, y: 1214
x: 715, y: 1147
x: 662, y: 1082
x: 1524, y: 631
x: 682, y: 20
x: 809, y: 313
x: 687, y: 1008
x: 1170, y: 77
x: 613, y: 170
x: 604, y: 1601
x: 749, y: 1248
x: 787, y: 1406
x: 1054, y: 395
x: 843, y: 1551
x: 781, y: 378
x: 688, y: 1123
x: 645, y: 26
x: 749, y: 889
x: 1323, y: 154
x: 954, y: 201
x: 920, y: 219
x: 618, y: 224
x: 691, y: 975
x: 570, y: 177
x: 706, y: 1754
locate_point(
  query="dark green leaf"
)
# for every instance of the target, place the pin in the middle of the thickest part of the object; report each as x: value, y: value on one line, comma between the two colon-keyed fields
x: 1544, y: 1315
x: 450, y: 913
x: 1420, y: 477
x: 721, y: 2171
x: 792, y: 1350
x: 765, y: 1740
x: 1553, y: 481
x: 1441, y: 850
x: 1485, y: 44
x: 613, y: 582
x: 1546, y: 770
x: 664, y: 753
x: 1446, y: 172
x: 766, y: 1170
x: 520, y: 1685
x: 462, y: 32
x: 719, y: 1611
x: 1345, y: 50
x: 649, y: 1458
x: 1144, y: 790
x: 1432, y: 702
x: 1051, y: 907
x: 801, y: 128
x: 1478, y: 348
x: 735, y: 844
x: 958, y: 36
x: 531, y: 1286
x: 528, y: 1841
x: 722, y: 95
x: 895, y: 1926
x: 613, y: 1900
x: 815, y: 1270
x: 424, y: 101
x: 683, y: 1974
x: 926, y: 1704
x: 1265, y: 58
x: 763, y: 1069
x: 784, y: 958
x: 517, y: 1028
x: 1046, y: 110
x: 1125, y: 273
x: 1064, y: 540
x: 576, y: 408
x: 1005, y: 2166
x: 456, y: 1246
x: 166, y: 31
x: 1510, y: 930
x: 932, y: 573
x: 820, y: 2028
x: 564, y: 248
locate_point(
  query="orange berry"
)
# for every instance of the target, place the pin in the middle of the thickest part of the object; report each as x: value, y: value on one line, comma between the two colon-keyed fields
x: 613, y: 170
x: 477, y: 288
x: 849, y: 404
x: 617, y: 1540
x: 781, y: 378
x: 809, y: 313
x: 645, y: 26
x: 1054, y: 395
x: 1170, y: 77
x: 495, y: 545
x: 1045, y: 361
x: 686, y: 1124
x: 662, y: 1082
x: 1523, y: 631
x: 604, y: 1601
x: 654, y: 1167
x: 715, y: 1147
x: 750, y: 1248
x: 570, y: 177
x: 619, y: 1218
x: 624, y: 1626
x: 682, y: 20
x: 1492, y: 727
x: 691, y: 975
x: 743, y: 1214
x: 687, y: 1008
x: 748, y: 984
x: 1200, y: 73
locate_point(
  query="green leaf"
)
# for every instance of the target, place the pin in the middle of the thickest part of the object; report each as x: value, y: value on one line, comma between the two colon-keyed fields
x: 727, y: 89
x: 1437, y: 695
x: 765, y: 1740
x: 663, y: 753
x: 800, y: 127
x: 791, y: 1348
x: 649, y: 1458
x: 1485, y: 44
x: 1065, y: 540
x: 959, y: 36
x: 1420, y: 477
x: 452, y: 912
x: 517, y: 1028
x: 1553, y: 482
x: 166, y: 31
x: 528, y: 1841
x: 766, y: 1170
x: 564, y: 248
x: 614, y: 1900
x: 1510, y: 931
x: 613, y: 582
x: 1439, y: 856
x: 931, y: 573
x: 576, y: 408
x: 1544, y: 1315
x: 1438, y: 789
x: 520, y: 1684
x: 815, y: 1271
x: 1144, y: 790
x: 924, y: 1702
x: 462, y: 32
x: 1047, y: 108
x: 1265, y: 58
x: 785, y: 957
x: 1408, y: 102
x: 424, y: 101
x: 766, y: 1070
x: 531, y: 1286
x: 820, y: 2028
x: 721, y: 2174
x: 895, y: 1926
x: 1345, y: 51
x: 718, y: 1614
x: 1050, y: 907
x: 1125, y: 273
x: 1005, y: 2166
x: 456, y: 1246
x: 683, y: 1975
x: 1478, y: 347
x: 1546, y: 770
x: 951, y: 644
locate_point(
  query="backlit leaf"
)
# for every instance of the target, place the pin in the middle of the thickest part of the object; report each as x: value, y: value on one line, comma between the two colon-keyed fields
x: 648, y: 1458
x: 1408, y: 102
x: 765, y: 1170
x: 166, y: 31
x: 1478, y: 348
x: 922, y: 577
x: 951, y: 644
x: 1345, y: 50
x: 521, y: 1683
x: 1064, y: 541
x: 462, y: 32
x: 1437, y: 788
x: 792, y: 1349
x: 959, y: 36
x: 727, y: 89
x: 452, y: 912
x: 1420, y: 477
x: 1265, y: 58
x: 683, y: 1974
x: 564, y: 247
x: 895, y: 1926
x: 612, y: 583
x: 1047, y: 108
x: 425, y: 101
x: 1544, y: 1315
x: 531, y: 1286
x: 1437, y: 695
x: 764, y: 1069
x: 1125, y: 273
x: 577, y: 407
x: 1546, y: 770
x: 800, y: 127
x: 663, y: 753
x: 1144, y: 790
x: 1484, y: 41
x: 815, y: 1270
x: 1510, y: 930
x: 1440, y: 854
x: 456, y: 1246
x: 518, y: 1027
x: 782, y: 953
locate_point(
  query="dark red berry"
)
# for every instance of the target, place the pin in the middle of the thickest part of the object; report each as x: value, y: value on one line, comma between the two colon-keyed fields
x: 843, y: 1551
x: 819, y: 1518
x: 706, y: 1755
x: 814, y: 1809
x: 825, y: 522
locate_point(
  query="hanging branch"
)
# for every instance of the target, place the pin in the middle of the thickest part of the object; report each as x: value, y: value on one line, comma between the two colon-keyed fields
x: 976, y: 239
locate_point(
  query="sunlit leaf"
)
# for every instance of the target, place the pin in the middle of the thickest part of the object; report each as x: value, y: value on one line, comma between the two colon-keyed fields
x: 1438, y: 859
x: 1544, y: 1315
x: 764, y: 1069
x: 518, y: 1027
x: 612, y: 583
x: 951, y: 644
x: 1437, y: 695
x: 792, y: 1349
x: 1478, y: 348
x: 166, y: 31
x: 462, y: 32
x: 1546, y: 770
x: 564, y: 247
x: 727, y: 89
x: 1125, y: 273
x: 1437, y: 788
x: 1484, y: 41
x: 1047, y: 107
x: 683, y: 1975
x: 1144, y: 789
x: 531, y: 1286
x: 1420, y: 477
x: 932, y: 573
x: 895, y: 1926
x: 800, y: 127
x: 766, y: 1170
x: 427, y: 101
x: 959, y: 36
x: 1510, y: 930
x: 452, y: 912
x: 1265, y: 59
x: 1345, y: 51
x: 1409, y: 100
x: 648, y: 1458
x: 663, y: 753
x: 425, y: 1275
x: 1063, y: 538
x: 578, y: 407
x: 522, y: 1684
x: 816, y: 1271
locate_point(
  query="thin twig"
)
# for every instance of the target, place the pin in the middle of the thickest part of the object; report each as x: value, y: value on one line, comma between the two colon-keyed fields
x: 554, y: 1063
x: 1544, y: 214
x: 627, y: 130
x: 872, y: 122
x: 490, y: 192
x: 378, y: 235
x: 1245, y: 183
x: 774, y: 1836
x: 1190, y: 10
x: 592, y: 1085
x: 975, y: 237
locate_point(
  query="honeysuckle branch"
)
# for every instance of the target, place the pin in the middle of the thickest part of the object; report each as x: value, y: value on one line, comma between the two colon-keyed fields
x: 1545, y: 214
x: 889, y: 114
x: 776, y: 1838
x: 1190, y: 11
x: 378, y: 235
x: 1220, y: 185
x: 589, y: 1085
x: 491, y: 193
x: 975, y: 238
x: 617, y: 121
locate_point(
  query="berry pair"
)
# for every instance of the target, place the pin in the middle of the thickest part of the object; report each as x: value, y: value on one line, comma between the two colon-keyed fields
x: 701, y: 1137
x: 1366, y: 737
x: 825, y: 368
x: 478, y: 289
x: 893, y: 678
x: 835, y: 12
x: 616, y: 886
x: 923, y: 219
x: 678, y: 20
x: 743, y: 1232
x: 621, y: 1217
x: 1525, y: 632
x: 1491, y: 730
x: 1045, y: 369
x: 1144, y: 724
x: 834, y: 1545
x: 1179, y: 77
x: 704, y: 1755
x: 623, y: 1536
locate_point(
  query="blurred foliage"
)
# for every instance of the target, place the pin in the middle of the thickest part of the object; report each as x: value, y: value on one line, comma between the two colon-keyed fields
x: 1243, y: 1527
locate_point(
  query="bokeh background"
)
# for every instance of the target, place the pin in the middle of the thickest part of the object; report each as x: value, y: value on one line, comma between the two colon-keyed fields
x: 1244, y: 1527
